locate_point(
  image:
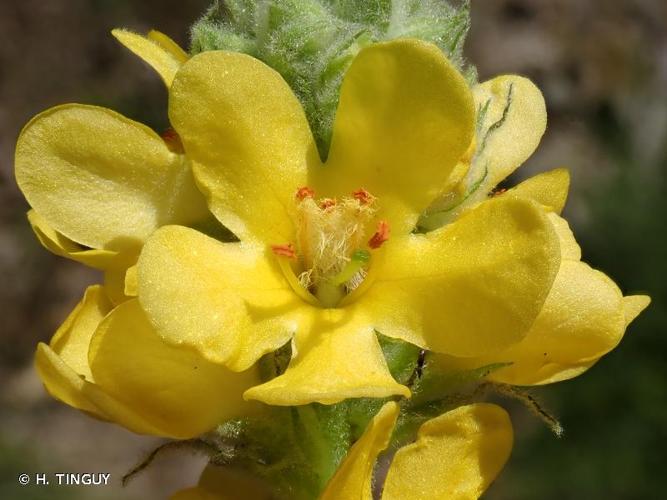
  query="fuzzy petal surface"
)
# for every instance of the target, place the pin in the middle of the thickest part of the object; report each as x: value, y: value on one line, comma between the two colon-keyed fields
x: 63, y: 365
x: 169, y: 45
x: 72, y: 339
x: 584, y: 317
x: 633, y: 305
x: 472, y: 287
x: 404, y: 118
x: 64, y: 370
x: 114, y: 285
x: 157, y: 50
x: 456, y: 456
x: 229, y: 301
x: 63, y: 383
x: 512, y: 127
x: 60, y: 245
x: 102, y: 180
x: 337, y: 357
x: 569, y: 248
x: 353, y: 479
x: 248, y: 139
x: 175, y: 389
x: 548, y: 188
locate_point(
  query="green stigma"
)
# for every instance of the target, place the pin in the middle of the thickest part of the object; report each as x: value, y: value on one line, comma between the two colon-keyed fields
x: 359, y: 259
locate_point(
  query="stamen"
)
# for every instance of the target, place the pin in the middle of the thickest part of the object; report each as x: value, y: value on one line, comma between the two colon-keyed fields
x: 284, y: 250
x: 381, y: 235
x: 358, y: 260
x: 498, y: 192
x: 304, y: 192
x: 329, y: 235
x: 328, y: 203
x: 363, y: 196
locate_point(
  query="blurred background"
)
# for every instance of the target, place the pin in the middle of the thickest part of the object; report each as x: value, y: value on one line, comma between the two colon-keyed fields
x: 602, y: 65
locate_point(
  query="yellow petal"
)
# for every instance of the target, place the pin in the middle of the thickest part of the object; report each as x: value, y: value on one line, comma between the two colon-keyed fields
x: 553, y: 373
x: 173, y: 388
x: 404, y: 118
x: 225, y: 483
x: 248, y: 138
x: 63, y: 366
x: 65, y: 384
x: 101, y: 179
x: 337, y: 357
x: 72, y: 339
x: 548, y: 188
x: 131, y: 285
x: 353, y: 479
x: 114, y: 285
x: 77, y: 389
x: 582, y: 319
x: 633, y: 305
x: 569, y: 248
x: 229, y: 301
x: 511, y: 129
x: 157, y: 50
x: 169, y: 45
x: 456, y: 457
x: 60, y: 245
x: 472, y: 287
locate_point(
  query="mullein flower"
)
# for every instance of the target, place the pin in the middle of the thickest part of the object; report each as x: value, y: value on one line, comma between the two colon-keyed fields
x: 585, y: 314
x: 107, y: 361
x: 400, y: 230
x: 327, y: 253
x: 584, y: 317
x: 99, y: 184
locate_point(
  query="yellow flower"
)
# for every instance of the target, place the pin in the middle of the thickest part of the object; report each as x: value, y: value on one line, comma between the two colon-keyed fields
x: 585, y: 314
x: 456, y: 457
x: 327, y: 254
x: 109, y: 362
x: 99, y: 185
x: 584, y: 317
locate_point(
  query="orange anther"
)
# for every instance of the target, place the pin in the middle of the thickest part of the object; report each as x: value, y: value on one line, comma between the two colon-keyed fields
x: 363, y: 196
x: 327, y: 203
x: 172, y: 140
x: 498, y: 192
x: 381, y: 235
x: 284, y: 250
x: 304, y: 192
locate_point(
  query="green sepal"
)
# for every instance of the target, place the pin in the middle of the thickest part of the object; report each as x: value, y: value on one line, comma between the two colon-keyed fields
x: 402, y: 358
x: 326, y: 438
x: 275, y: 363
x: 403, y: 362
x: 437, y: 383
x: 268, y: 448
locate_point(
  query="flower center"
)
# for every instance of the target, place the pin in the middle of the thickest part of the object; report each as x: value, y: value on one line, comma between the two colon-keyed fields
x: 332, y: 248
